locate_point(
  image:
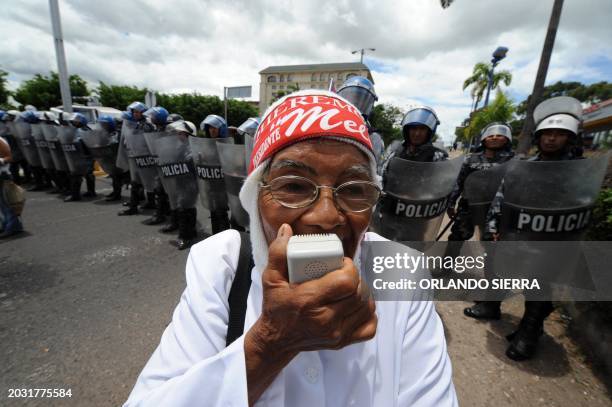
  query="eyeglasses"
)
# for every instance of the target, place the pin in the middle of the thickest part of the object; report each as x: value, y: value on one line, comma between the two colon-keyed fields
x: 292, y: 191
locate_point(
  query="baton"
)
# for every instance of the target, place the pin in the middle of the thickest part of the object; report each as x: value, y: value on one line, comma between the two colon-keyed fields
x: 450, y: 222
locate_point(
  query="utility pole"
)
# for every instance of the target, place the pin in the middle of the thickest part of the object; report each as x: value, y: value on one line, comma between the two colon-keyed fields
x: 538, y: 86
x: 61, y: 56
x: 362, y: 52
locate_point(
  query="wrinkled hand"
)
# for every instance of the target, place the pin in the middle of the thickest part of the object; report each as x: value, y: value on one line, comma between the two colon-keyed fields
x: 330, y: 312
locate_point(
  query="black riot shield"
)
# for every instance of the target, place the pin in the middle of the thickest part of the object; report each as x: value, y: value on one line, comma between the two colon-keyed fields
x: 416, y: 198
x: 550, y: 200
x: 73, y: 150
x: 213, y: 195
x: 479, y: 190
x: 46, y: 161
x: 16, y: 153
x: 27, y: 143
x: 177, y: 171
x: 103, y: 147
x: 55, y: 148
x: 142, y: 160
x: 232, y: 157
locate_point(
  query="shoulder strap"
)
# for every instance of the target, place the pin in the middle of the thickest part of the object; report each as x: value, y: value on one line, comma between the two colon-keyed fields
x: 239, y: 292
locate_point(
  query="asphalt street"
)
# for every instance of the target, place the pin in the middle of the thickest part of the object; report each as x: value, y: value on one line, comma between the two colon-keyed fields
x: 85, y: 296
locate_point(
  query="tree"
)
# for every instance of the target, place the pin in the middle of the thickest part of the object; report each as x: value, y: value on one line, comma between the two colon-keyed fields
x: 4, y: 92
x: 501, y: 110
x: 538, y: 86
x: 588, y: 94
x: 119, y: 96
x: 385, y: 119
x: 479, y: 81
x: 43, y: 92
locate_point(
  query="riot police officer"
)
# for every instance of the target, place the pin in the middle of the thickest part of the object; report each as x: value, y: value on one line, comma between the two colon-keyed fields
x: 361, y: 93
x: 557, y: 138
x: 109, y: 125
x: 134, y: 123
x: 418, y: 128
x: 179, y: 179
x: 41, y: 179
x: 215, y: 127
x: 157, y: 118
x: 79, y: 122
x: 495, y: 148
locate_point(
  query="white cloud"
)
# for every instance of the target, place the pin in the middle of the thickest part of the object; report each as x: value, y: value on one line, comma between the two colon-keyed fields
x: 424, y: 52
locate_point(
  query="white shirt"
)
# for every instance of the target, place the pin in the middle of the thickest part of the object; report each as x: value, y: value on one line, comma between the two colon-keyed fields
x: 405, y: 364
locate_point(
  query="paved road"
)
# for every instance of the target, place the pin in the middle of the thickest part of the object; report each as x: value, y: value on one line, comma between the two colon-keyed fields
x: 85, y: 296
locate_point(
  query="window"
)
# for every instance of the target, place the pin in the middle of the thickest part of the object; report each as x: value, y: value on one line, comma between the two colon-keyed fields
x: 271, y: 78
x: 322, y: 77
x: 313, y: 78
x: 282, y: 78
x: 289, y: 77
x: 273, y: 87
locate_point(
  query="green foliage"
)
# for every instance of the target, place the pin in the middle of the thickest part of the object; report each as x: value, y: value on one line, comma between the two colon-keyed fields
x: 386, y: 118
x: 500, y: 110
x: 479, y: 81
x: 119, y: 96
x: 192, y: 106
x: 4, y: 92
x: 44, y: 91
x: 594, y: 93
x: 601, y: 220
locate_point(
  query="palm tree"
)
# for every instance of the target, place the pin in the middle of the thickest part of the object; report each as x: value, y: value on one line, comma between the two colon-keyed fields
x: 479, y: 80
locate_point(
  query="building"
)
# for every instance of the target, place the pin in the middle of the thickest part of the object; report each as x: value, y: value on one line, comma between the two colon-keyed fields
x: 597, y: 124
x: 276, y: 79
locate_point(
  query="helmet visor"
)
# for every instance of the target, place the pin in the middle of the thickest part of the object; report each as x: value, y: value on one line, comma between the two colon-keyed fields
x: 421, y: 116
x: 499, y: 130
x: 360, y: 97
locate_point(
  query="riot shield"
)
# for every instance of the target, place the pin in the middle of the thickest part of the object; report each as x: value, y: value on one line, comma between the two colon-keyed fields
x: 55, y: 148
x: 550, y: 200
x: 26, y: 141
x: 249, y: 142
x: 232, y: 157
x: 103, y: 147
x: 41, y: 144
x: 73, y: 150
x: 479, y: 190
x: 16, y: 153
x: 177, y: 171
x: 122, y: 154
x: 142, y: 160
x: 208, y: 169
x: 416, y: 198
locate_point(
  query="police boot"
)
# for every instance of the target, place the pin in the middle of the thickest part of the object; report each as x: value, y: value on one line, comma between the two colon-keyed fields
x: 219, y: 221
x: 55, y: 188
x: 150, y: 202
x: 39, y: 184
x: 158, y: 217
x: 187, y: 228
x: 90, y: 180
x: 75, y: 189
x: 173, y: 225
x: 132, y: 206
x: 116, y: 194
x: 524, y: 342
x: 484, y: 310
x: 64, y: 179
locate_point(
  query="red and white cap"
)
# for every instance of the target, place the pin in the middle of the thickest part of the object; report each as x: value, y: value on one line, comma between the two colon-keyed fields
x: 308, y: 114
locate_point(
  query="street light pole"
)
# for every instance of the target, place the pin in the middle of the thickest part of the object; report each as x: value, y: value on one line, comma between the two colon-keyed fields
x: 61, y: 56
x: 362, y: 52
x: 498, y: 55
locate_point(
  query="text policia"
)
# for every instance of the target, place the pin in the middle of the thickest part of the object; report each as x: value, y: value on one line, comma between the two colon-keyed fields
x: 404, y: 261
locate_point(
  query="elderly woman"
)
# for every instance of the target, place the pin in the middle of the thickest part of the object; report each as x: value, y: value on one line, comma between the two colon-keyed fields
x: 321, y: 342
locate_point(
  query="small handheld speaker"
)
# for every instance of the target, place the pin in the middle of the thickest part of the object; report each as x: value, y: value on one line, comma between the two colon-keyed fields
x: 312, y: 256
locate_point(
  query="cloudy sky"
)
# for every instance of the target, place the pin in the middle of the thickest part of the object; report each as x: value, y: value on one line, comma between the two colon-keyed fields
x: 423, y: 53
